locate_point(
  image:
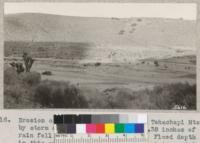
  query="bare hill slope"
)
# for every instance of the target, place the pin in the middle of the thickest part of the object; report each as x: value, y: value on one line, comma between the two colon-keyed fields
x: 104, y: 31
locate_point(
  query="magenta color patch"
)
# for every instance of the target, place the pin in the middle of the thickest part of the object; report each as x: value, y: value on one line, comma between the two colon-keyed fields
x: 90, y: 128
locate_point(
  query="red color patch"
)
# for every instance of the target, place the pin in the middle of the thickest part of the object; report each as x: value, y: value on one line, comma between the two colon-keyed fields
x: 100, y: 128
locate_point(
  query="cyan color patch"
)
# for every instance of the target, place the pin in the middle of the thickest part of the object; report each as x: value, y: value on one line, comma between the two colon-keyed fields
x: 129, y: 128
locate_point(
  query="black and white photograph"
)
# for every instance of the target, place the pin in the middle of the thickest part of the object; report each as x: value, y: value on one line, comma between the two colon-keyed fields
x: 100, y: 55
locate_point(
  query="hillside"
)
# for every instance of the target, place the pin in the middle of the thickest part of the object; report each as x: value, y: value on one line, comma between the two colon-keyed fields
x: 100, y: 31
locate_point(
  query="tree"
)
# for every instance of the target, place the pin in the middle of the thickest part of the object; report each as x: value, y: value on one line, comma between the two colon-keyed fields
x: 28, y: 61
x: 156, y: 63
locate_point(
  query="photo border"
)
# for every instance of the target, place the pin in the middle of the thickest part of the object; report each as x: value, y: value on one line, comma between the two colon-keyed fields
x: 103, y: 1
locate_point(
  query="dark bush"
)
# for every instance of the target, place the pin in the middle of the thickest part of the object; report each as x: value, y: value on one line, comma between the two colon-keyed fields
x: 97, y: 64
x: 121, y: 32
x: 133, y: 24
x: 11, y: 76
x: 117, y: 98
x: 184, y: 95
x: 14, y: 92
x: 17, y: 93
x: 42, y: 95
x: 47, y: 73
x: 193, y: 62
x: 31, y: 78
x: 156, y: 63
x: 168, y: 96
x: 58, y: 94
x: 27, y: 90
x: 161, y: 98
x: 19, y: 88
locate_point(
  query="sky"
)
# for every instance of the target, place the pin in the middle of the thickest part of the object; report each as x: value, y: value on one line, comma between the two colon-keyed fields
x: 187, y: 11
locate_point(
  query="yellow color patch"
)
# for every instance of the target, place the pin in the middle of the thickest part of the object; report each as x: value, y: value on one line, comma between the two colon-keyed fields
x: 109, y: 128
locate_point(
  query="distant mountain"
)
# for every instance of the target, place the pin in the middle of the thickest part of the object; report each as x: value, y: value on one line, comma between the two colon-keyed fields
x: 104, y: 31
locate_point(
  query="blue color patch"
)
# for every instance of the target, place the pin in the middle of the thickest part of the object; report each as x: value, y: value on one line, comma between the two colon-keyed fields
x: 129, y: 128
x: 139, y: 128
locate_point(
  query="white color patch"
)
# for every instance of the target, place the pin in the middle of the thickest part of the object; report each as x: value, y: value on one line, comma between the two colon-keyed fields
x: 80, y: 128
x: 142, y: 118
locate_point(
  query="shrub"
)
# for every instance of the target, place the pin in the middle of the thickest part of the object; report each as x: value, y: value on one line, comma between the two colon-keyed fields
x: 19, y: 88
x: 178, y: 94
x: 27, y: 90
x: 15, y: 92
x: 133, y: 24
x: 121, y: 32
x: 18, y: 96
x: 165, y: 96
x: 184, y: 95
x: 47, y: 73
x: 59, y: 95
x: 156, y: 63
x: 190, y: 101
x: 117, y: 98
x: 161, y: 98
x: 193, y: 62
x: 10, y: 76
x: 97, y: 64
x: 31, y: 78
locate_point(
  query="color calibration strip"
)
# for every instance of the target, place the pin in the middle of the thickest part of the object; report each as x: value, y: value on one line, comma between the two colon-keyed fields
x: 98, y: 124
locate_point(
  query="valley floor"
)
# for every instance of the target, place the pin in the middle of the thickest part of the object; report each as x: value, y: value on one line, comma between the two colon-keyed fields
x: 143, y: 74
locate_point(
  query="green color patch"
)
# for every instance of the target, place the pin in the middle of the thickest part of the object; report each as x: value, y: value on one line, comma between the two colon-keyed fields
x: 119, y: 128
